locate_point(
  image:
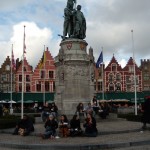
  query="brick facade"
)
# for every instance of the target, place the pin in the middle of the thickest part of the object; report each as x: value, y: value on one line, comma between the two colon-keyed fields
x: 145, y: 67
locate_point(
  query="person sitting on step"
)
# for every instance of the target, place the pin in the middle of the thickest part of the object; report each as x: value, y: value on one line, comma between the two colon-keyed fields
x: 90, y: 126
x: 24, y: 126
x: 50, y: 128
x: 63, y: 126
x: 75, y: 128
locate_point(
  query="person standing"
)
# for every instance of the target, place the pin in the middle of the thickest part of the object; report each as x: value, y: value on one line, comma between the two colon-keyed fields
x: 1, y: 110
x: 146, y: 112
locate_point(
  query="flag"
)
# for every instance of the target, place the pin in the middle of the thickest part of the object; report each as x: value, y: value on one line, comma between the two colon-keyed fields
x: 13, y: 60
x: 100, y: 60
x: 42, y: 60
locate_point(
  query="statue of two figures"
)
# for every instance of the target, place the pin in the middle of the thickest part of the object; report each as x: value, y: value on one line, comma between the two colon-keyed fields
x: 74, y: 21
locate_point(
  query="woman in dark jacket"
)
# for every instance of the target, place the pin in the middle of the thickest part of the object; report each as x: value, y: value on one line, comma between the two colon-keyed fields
x: 63, y: 126
x: 75, y: 128
x: 90, y: 126
x: 50, y: 128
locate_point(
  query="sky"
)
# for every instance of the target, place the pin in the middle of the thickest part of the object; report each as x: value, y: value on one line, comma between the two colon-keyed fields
x: 109, y: 25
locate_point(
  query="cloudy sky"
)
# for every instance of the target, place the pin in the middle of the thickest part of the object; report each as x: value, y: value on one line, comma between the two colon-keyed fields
x: 109, y: 25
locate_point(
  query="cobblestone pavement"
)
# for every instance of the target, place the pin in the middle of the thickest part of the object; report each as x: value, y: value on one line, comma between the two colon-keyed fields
x: 115, y: 133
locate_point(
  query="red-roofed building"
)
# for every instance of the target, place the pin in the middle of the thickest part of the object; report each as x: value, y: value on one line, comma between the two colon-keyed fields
x: 43, y: 79
x: 28, y: 71
x: 129, y: 77
x: 113, y: 75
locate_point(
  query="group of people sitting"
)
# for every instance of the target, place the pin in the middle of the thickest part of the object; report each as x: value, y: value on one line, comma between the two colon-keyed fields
x: 69, y: 128
x: 101, y: 109
x: 62, y: 125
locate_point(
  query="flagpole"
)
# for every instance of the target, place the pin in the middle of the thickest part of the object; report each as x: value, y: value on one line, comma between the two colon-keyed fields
x: 44, y: 78
x: 135, y: 90
x: 11, y: 81
x: 22, y: 100
x: 102, y: 78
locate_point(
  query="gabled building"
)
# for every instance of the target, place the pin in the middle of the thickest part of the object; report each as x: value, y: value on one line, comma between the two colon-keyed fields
x: 28, y: 72
x: 145, y: 68
x: 98, y: 81
x: 129, y: 84
x: 43, y: 79
x: 5, y: 77
x: 113, y: 76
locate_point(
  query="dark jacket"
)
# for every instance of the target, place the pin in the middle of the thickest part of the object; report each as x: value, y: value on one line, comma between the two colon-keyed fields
x: 90, y: 128
x: 146, y: 113
x: 51, y: 125
x: 75, y: 124
x: 26, y: 124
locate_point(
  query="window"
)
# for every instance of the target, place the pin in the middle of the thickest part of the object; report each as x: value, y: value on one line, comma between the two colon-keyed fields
x: 28, y: 78
x: 146, y: 87
x: 118, y: 87
x: 27, y: 87
x: 53, y: 86
x: 20, y: 87
x: 25, y: 69
x: 128, y: 80
x: 42, y: 74
x: 100, y: 74
x: 145, y: 67
x: 118, y: 77
x: 110, y: 77
x: 95, y: 86
x: 114, y: 67
x: 128, y: 88
x: 46, y: 86
x: 99, y: 86
x: 3, y: 77
x: 38, y: 86
x: 146, y: 77
x: 7, y: 68
x: 131, y: 69
x: 20, y: 78
x: 111, y: 87
x: 51, y: 74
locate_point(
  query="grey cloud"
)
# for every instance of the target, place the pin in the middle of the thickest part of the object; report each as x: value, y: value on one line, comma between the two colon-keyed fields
x: 109, y: 23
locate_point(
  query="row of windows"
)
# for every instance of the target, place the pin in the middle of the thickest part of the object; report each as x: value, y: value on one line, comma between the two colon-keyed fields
x: 7, y: 77
x: 146, y: 76
x: 42, y: 76
x: 114, y: 68
x: 7, y: 87
x: 117, y: 77
x: 39, y: 87
x: 112, y: 87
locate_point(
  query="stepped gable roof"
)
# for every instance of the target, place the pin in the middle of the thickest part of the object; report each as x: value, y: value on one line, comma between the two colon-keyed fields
x: 49, y: 58
x: 7, y: 61
x: 113, y: 61
x: 30, y: 68
x: 131, y: 63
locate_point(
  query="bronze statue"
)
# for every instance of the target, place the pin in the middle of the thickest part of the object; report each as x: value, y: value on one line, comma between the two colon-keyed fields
x: 80, y: 24
x: 74, y: 21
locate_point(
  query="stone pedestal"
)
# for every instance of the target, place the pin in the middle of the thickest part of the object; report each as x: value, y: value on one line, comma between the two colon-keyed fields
x: 74, y: 75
